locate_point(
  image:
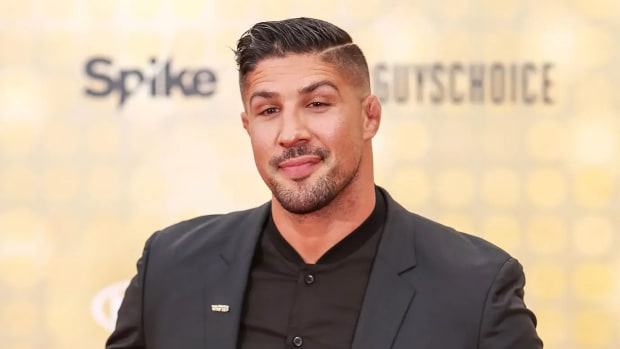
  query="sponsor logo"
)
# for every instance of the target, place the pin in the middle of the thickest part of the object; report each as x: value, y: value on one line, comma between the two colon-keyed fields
x: 161, y: 79
x: 525, y: 83
x: 105, y: 304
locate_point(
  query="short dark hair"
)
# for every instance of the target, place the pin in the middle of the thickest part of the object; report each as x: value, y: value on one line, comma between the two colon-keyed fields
x: 299, y: 36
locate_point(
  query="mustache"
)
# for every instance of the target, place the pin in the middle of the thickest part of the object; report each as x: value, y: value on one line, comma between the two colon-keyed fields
x: 300, y: 150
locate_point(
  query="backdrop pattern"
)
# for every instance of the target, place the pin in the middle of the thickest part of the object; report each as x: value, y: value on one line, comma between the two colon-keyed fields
x: 500, y: 119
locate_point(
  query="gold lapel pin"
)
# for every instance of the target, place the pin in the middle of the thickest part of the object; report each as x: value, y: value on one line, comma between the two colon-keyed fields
x: 220, y: 308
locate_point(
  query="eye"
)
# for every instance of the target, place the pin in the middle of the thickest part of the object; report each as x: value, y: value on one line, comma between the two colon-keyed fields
x: 317, y: 104
x: 269, y: 111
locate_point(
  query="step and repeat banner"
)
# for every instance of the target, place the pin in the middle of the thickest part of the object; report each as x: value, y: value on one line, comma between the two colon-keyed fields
x: 118, y: 118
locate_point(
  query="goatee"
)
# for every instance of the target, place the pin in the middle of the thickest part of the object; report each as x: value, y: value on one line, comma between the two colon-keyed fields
x: 307, y: 197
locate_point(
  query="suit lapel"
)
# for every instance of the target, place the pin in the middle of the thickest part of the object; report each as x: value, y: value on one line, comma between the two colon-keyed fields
x: 386, y: 302
x: 226, y: 287
x: 389, y: 292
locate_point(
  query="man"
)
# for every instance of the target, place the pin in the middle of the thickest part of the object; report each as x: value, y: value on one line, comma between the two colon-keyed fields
x: 332, y: 261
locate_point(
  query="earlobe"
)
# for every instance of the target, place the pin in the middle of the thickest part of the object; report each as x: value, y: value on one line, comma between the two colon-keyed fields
x: 372, y: 115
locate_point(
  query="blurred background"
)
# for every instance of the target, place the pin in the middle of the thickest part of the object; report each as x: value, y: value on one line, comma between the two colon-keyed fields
x: 118, y: 118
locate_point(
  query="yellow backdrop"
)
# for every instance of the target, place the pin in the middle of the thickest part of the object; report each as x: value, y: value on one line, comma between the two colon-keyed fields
x: 500, y: 119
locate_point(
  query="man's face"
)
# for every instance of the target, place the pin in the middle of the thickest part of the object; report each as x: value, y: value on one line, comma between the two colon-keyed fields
x: 307, y: 128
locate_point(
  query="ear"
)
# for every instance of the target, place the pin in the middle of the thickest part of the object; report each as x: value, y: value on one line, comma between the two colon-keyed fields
x: 371, y: 110
x: 244, y: 121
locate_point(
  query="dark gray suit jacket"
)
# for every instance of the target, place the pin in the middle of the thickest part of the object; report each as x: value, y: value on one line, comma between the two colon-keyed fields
x: 431, y: 287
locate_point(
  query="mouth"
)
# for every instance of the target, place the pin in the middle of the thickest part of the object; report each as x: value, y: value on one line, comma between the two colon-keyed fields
x: 300, y: 167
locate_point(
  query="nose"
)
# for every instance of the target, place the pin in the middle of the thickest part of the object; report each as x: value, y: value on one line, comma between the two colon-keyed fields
x: 293, y: 130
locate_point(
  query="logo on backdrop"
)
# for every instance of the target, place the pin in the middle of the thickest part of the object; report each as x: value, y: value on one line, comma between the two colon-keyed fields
x: 161, y: 79
x: 105, y: 304
x: 497, y: 83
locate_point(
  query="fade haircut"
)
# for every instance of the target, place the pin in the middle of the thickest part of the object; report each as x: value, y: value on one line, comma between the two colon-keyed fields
x: 301, y: 36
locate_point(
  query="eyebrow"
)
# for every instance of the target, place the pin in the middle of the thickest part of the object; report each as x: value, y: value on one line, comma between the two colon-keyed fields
x: 264, y: 94
x: 305, y: 90
x: 310, y: 88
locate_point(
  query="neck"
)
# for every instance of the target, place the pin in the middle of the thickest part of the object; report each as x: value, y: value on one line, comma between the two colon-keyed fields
x: 313, y: 234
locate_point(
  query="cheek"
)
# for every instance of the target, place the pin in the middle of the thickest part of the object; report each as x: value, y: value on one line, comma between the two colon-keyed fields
x: 338, y: 125
x: 343, y: 131
x: 261, y: 143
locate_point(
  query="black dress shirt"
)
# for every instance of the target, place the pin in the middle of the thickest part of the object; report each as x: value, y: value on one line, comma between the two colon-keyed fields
x: 291, y: 304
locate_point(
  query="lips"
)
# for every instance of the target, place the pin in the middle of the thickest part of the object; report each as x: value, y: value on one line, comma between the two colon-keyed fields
x: 299, y: 167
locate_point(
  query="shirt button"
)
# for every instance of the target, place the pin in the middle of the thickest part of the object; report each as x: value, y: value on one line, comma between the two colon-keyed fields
x: 298, y: 341
x: 309, y: 279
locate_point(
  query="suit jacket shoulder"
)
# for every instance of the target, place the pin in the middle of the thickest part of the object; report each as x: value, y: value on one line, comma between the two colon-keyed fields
x: 411, y: 240
x: 452, y: 251
x: 210, y: 235
x: 464, y: 291
x: 185, y: 269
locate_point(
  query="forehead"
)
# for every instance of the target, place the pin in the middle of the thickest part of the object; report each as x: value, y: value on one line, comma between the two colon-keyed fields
x: 291, y: 72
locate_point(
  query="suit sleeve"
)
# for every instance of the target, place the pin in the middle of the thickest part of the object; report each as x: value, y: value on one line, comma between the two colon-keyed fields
x: 506, y: 322
x: 129, y: 332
